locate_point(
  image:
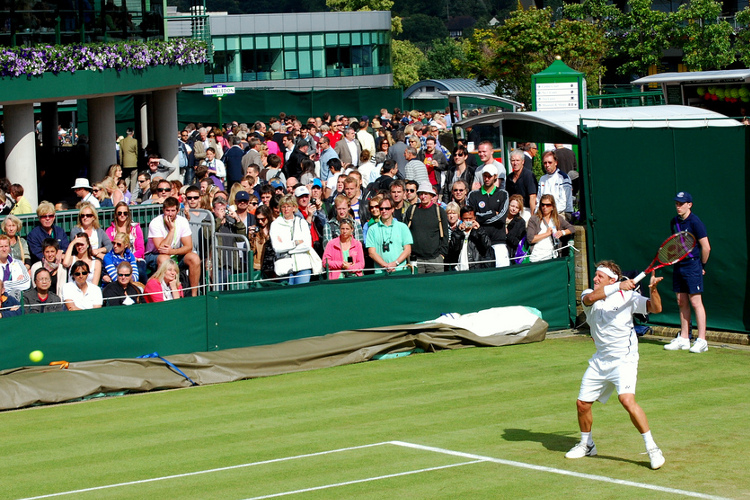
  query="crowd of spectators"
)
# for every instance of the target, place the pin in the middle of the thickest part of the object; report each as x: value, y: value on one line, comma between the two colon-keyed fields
x: 338, y: 195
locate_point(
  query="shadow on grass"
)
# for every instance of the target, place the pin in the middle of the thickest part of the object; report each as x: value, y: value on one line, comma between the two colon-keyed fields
x: 559, y: 443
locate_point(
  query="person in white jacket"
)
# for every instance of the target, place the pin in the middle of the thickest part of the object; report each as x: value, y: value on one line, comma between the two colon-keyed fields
x: 292, y: 242
x: 13, y: 272
x: 557, y: 183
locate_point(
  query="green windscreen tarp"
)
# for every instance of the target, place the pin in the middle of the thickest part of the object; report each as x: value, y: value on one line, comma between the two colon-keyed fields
x: 631, y: 176
x: 225, y: 320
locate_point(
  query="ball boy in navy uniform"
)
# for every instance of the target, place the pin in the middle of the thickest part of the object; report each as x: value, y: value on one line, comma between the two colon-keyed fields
x: 688, y: 276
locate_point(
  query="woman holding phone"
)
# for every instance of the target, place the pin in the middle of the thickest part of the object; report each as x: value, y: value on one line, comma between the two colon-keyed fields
x: 344, y: 255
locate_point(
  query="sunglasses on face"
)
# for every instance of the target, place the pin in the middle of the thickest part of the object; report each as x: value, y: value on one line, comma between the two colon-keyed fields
x: 374, y: 207
x: 83, y: 273
x: 193, y: 197
x: 124, y: 275
x: 122, y: 213
x: 386, y: 208
x: 411, y: 190
x: 261, y: 219
x: 253, y: 203
x: 546, y: 204
x: 47, y: 217
x: 164, y: 190
x: 87, y: 216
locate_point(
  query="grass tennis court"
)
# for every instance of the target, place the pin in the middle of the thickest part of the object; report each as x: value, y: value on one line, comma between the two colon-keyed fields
x: 472, y: 423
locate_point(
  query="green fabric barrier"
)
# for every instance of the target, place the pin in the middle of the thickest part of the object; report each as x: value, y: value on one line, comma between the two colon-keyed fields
x: 249, y: 105
x: 632, y: 176
x: 271, y: 315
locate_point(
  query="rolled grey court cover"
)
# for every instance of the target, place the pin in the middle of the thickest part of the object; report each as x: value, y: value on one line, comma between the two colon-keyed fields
x: 495, y: 327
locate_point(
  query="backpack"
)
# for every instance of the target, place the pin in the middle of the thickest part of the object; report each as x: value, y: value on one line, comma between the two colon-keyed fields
x: 410, y: 213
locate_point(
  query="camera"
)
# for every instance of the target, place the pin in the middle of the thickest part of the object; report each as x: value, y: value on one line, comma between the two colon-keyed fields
x: 386, y: 247
x: 314, y: 201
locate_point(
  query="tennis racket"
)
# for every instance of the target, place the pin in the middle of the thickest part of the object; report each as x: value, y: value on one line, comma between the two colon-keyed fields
x: 673, y: 250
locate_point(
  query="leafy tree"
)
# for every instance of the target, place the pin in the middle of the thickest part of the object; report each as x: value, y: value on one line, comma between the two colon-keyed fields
x: 527, y: 43
x: 446, y: 59
x: 421, y: 29
x: 742, y: 42
x: 406, y: 59
x: 639, y: 36
x: 706, y: 41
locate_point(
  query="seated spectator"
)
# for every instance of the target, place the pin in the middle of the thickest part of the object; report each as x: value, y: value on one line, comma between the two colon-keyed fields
x: 143, y: 191
x: 470, y: 246
x: 159, y: 192
x: 58, y: 273
x: 454, y: 215
x: 80, y: 250
x: 127, y: 196
x: 515, y: 226
x: 122, y: 291
x: 120, y: 253
x: 545, y: 229
x: 12, y: 272
x: 260, y: 240
x: 46, y: 229
x: 22, y: 205
x: 85, y: 192
x: 41, y: 299
x: 9, y: 306
x: 101, y: 193
x: 19, y: 249
x: 165, y: 283
x: 389, y: 241
x: 344, y: 255
x: 169, y: 235
x: 123, y: 223
x: 80, y: 294
x: 159, y: 167
x: 290, y: 237
x: 88, y: 222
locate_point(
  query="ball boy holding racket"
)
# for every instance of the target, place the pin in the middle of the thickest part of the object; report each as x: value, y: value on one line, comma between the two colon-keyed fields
x: 609, y: 309
x: 688, y: 276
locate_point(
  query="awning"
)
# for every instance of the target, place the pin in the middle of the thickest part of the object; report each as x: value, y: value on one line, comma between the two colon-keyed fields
x: 722, y: 76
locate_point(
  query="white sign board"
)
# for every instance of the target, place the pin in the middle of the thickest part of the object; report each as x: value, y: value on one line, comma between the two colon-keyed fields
x: 218, y: 90
x: 551, y: 96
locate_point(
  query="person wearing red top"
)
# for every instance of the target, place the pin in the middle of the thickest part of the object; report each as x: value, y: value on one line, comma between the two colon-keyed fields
x: 313, y: 214
x: 435, y: 161
x: 335, y: 134
x: 164, y: 284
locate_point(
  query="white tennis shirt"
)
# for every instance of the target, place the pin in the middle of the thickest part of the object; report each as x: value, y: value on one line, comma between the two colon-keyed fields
x: 611, y: 322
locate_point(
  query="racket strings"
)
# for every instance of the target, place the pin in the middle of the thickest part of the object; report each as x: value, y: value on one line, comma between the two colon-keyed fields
x: 676, y: 247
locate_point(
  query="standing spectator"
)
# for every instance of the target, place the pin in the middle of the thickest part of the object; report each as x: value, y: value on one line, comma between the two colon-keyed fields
x: 530, y: 150
x: 344, y: 255
x: 388, y: 241
x: 688, y: 276
x: 568, y: 163
x: 415, y: 170
x: 88, y: 222
x: 13, y: 272
x: 46, y: 229
x: 521, y: 181
x: 164, y: 284
x: 459, y: 171
x: 22, y: 205
x: 428, y: 223
x: 185, y: 156
x: 80, y: 294
x: 169, y: 236
x: 454, y: 218
x: 85, y: 192
x: 411, y: 190
x: 545, y: 229
x: 398, y: 199
x: 556, y: 183
x: 486, y: 154
x: 458, y: 193
x: 216, y: 169
x: 436, y: 163
x: 490, y: 204
x: 159, y: 167
x: 365, y: 138
x: 9, y: 306
x: 252, y: 156
x: 122, y: 292
x: 515, y: 226
x: 129, y: 157
x: 19, y: 248
x: 470, y: 247
x: 342, y: 211
x: 41, y: 299
x: 260, y: 238
x: 290, y: 237
x: 349, y: 149
x: 313, y: 215
x: 326, y: 153
x: 232, y: 160
x: 293, y: 165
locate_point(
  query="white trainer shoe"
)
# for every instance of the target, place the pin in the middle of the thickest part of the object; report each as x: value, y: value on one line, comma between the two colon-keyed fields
x: 678, y: 343
x: 581, y: 450
x: 656, y: 456
x: 699, y: 346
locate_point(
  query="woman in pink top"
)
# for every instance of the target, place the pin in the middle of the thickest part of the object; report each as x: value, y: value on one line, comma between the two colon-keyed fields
x: 345, y: 253
x: 164, y: 284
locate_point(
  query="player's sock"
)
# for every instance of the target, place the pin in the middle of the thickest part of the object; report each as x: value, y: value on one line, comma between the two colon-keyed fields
x: 648, y: 440
x: 586, y: 438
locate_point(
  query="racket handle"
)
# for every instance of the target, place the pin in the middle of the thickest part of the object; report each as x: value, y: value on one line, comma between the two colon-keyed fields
x: 639, y: 277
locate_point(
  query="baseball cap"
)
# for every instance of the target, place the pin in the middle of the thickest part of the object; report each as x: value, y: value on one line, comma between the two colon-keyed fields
x: 242, y: 196
x: 317, y: 183
x: 276, y: 184
x: 683, y: 197
x: 301, y: 191
x: 364, y: 118
x: 489, y: 169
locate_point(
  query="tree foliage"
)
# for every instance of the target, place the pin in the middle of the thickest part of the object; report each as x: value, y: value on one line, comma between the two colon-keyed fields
x: 445, y: 59
x: 640, y: 36
x: 421, y: 30
x: 406, y: 60
x: 705, y: 40
x: 527, y: 43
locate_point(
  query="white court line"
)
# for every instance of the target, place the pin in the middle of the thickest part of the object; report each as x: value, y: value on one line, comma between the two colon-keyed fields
x: 356, y: 481
x: 558, y: 471
x: 208, y: 471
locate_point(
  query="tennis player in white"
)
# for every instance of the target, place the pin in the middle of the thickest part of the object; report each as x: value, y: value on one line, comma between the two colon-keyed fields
x: 609, y: 309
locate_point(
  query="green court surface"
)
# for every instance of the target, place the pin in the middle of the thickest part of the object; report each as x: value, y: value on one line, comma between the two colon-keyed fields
x: 471, y: 423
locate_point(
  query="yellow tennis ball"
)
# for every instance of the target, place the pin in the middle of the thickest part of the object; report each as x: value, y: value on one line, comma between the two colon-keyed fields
x: 36, y: 356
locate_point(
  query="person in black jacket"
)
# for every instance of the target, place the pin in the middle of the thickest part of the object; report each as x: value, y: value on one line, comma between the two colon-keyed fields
x: 515, y: 226
x: 472, y: 239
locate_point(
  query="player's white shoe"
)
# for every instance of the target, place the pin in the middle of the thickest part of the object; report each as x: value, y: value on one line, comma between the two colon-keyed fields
x: 678, y: 343
x: 699, y: 346
x: 581, y: 450
x: 656, y: 456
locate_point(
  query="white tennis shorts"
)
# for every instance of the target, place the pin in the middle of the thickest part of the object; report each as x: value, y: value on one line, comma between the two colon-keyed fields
x: 601, y: 378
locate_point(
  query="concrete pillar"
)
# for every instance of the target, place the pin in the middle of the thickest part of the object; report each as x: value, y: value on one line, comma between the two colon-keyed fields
x: 102, y: 136
x: 50, y: 122
x: 141, y: 128
x: 149, y: 120
x: 20, y: 149
x: 165, y: 123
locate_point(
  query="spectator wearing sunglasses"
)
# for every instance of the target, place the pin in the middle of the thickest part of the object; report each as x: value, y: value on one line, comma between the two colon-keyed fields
x: 459, y: 171
x: 80, y: 250
x: 88, y: 222
x: 123, y: 223
x: 162, y: 192
x: 122, y: 291
x: 80, y: 294
x: 46, y: 229
x: 120, y: 253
